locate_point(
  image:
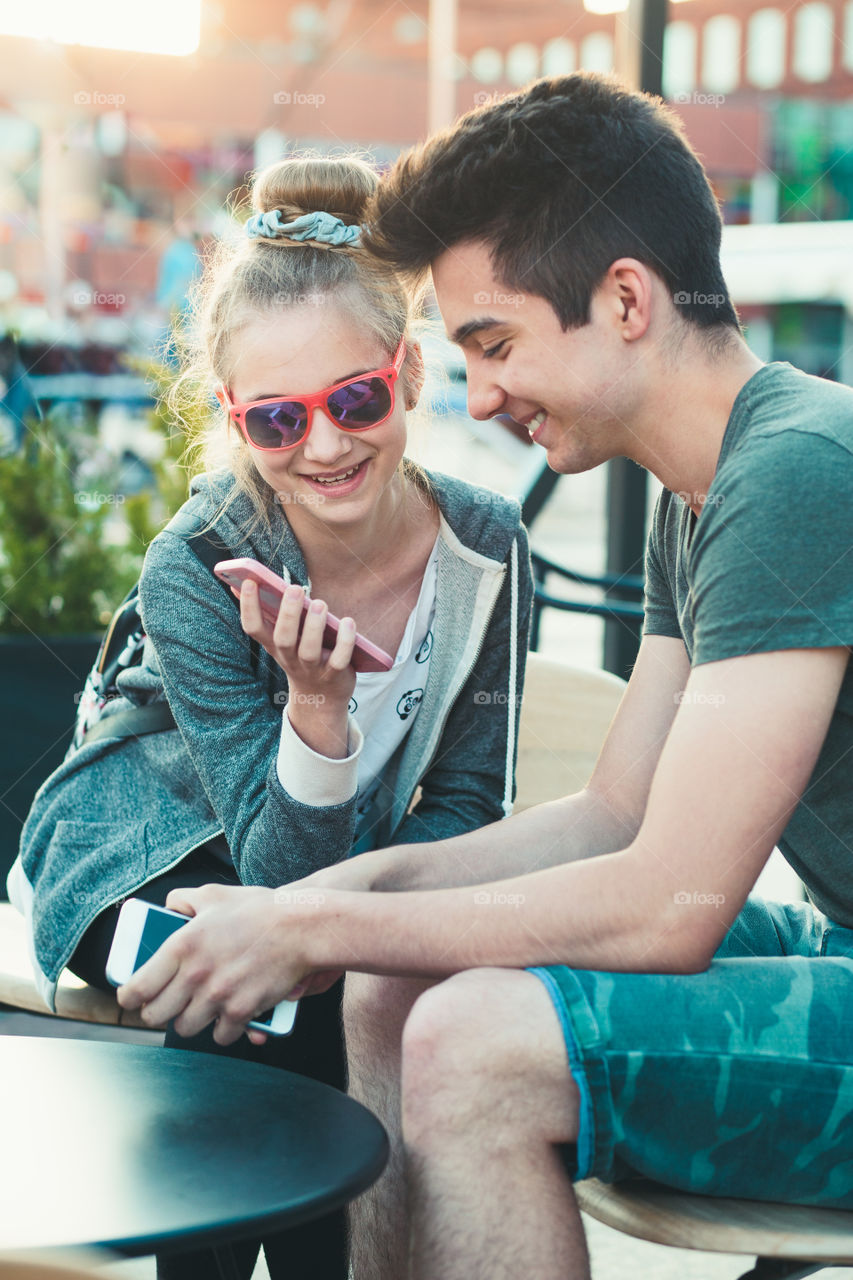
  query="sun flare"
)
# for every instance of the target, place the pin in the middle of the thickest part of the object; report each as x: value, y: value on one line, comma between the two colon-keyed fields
x: 163, y: 26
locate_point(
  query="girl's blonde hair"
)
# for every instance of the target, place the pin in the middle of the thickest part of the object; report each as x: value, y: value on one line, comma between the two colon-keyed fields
x: 244, y: 277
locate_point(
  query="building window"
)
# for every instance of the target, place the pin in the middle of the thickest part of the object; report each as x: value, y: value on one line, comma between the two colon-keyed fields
x: 813, y: 42
x: 522, y: 63
x: 487, y: 65
x: 597, y: 52
x: 765, y: 48
x: 721, y: 54
x: 558, y: 56
x: 679, y: 60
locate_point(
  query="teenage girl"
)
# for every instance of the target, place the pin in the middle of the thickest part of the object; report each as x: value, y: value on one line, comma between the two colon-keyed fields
x: 283, y: 759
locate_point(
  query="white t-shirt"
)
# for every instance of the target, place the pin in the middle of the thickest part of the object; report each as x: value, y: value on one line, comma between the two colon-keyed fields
x: 385, y: 703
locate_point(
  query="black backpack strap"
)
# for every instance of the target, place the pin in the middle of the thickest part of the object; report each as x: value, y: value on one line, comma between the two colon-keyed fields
x: 133, y: 722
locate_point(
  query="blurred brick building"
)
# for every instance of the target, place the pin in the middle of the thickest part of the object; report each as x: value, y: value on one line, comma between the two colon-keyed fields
x: 140, y: 142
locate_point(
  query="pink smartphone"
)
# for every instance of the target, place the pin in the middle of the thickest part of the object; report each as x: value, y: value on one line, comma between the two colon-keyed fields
x: 365, y: 656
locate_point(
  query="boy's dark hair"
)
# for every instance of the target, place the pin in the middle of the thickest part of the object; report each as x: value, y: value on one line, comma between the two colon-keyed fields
x: 560, y: 180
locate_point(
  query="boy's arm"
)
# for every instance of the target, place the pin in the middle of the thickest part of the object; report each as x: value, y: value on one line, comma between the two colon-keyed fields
x: 602, y: 818
x: 738, y: 757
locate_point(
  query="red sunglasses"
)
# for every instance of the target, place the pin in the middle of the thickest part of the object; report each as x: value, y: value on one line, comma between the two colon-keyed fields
x: 355, y: 405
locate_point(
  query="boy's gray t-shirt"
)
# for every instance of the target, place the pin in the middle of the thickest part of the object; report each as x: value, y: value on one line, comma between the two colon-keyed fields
x: 768, y: 565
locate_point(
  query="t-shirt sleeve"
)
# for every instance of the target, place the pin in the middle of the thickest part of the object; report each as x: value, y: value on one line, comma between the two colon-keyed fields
x: 660, y: 616
x: 772, y: 556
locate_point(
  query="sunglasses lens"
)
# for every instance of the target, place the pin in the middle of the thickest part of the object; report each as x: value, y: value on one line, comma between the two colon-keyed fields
x: 276, y: 426
x: 362, y: 403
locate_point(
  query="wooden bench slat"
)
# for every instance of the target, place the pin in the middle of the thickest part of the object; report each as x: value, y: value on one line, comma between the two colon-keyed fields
x: 664, y: 1216
x: 75, y: 999
x: 565, y: 715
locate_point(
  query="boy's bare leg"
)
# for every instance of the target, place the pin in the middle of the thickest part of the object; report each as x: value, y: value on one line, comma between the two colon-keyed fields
x: 487, y: 1094
x: 375, y: 1012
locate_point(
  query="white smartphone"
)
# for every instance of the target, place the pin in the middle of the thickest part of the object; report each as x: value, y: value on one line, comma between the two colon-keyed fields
x: 142, y: 928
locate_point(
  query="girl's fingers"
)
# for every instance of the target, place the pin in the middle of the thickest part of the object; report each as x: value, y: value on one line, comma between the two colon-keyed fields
x: 311, y: 642
x: 250, y: 609
x: 341, y: 655
x: 286, y: 631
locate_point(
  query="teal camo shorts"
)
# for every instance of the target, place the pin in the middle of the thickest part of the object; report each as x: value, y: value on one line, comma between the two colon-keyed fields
x: 737, y: 1081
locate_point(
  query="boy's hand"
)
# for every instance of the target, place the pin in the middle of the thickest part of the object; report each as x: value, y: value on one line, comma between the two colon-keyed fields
x: 241, y: 954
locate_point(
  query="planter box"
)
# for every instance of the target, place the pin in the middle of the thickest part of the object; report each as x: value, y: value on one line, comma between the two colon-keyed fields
x: 40, y: 676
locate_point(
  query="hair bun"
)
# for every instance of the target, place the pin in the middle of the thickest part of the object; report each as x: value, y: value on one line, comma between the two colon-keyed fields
x: 313, y: 184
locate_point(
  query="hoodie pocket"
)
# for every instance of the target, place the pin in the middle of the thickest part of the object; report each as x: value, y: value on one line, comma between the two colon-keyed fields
x: 88, y: 866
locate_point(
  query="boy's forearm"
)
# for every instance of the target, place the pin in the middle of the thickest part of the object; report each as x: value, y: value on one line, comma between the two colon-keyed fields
x: 565, y: 830
x: 606, y: 912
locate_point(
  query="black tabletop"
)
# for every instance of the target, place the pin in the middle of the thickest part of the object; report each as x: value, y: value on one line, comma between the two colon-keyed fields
x: 133, y: 1147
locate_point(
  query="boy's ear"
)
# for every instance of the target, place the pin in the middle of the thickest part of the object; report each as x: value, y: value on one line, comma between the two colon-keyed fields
x: 414, y: 373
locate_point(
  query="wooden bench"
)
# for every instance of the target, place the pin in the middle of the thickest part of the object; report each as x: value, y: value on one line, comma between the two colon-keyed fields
x: 787, y: 1240
x: 75, y: 999
x: 565, y: 716
x: 80, y: 1264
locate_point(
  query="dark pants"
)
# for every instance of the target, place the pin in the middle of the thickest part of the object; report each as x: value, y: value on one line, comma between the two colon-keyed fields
x: 317, y: 1250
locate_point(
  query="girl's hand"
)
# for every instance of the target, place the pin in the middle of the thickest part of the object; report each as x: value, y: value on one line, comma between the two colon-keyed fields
x: 321, y: 681
x: 241, y: 954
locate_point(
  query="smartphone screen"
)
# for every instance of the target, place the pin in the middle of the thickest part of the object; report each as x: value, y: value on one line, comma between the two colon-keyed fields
x: 157, y: 928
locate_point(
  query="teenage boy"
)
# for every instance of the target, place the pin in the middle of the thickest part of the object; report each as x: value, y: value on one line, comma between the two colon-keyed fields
x: 584, y: 988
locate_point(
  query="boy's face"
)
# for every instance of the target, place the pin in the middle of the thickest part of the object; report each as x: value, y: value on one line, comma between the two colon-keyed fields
x: 575, y: 390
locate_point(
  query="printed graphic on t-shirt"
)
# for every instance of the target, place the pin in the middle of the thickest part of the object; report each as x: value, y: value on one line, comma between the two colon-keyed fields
x: 352, y: 707
x: 408, y: 702
x: 425, y: 649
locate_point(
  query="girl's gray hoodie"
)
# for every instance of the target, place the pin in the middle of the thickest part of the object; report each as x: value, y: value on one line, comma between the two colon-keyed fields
x: 119, y: 812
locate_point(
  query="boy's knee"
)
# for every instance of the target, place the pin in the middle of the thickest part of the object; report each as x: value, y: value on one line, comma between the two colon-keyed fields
x: 375, y: 1007
x: 486, y: 1043
x: 452, y: 1042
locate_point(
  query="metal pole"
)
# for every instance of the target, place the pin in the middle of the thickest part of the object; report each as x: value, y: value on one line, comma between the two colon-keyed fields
x: 441, y: 104
x: 639, y: 63
x: 50, y: 204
